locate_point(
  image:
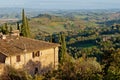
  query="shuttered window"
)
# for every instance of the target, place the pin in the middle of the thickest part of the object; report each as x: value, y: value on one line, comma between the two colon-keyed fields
x: 35, y: 54
x: 18, y: 58
x: 38, y: 53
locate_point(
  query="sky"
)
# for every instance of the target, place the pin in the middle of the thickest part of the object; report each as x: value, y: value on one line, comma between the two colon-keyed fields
x: 61, y: 4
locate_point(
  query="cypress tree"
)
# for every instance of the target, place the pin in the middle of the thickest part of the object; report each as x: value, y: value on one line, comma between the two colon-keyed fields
x: 62, y: 49
x: 23, y: 17
x: 27, y: 28
x: 22, y: 32
x: 25, y: 31
x: 18, y: 27
x: 63, y: 43
x: 59, y: 39
x: 11, y: 29
x: 23, y: 24
x: 4, y: 29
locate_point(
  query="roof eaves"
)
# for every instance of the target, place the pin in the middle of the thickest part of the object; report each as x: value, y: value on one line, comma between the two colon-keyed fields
x: 3, y: 53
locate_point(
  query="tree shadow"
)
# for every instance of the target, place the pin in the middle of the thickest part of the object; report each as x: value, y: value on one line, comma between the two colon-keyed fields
x: 31, y: 68
x: 35, y: 67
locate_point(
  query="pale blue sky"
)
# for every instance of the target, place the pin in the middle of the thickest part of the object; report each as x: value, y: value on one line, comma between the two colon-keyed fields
x: 62, y: 4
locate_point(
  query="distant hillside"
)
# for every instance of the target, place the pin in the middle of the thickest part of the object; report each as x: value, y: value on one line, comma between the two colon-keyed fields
x: 7, y: 13
x: 50, y: 21
x: 53, y: 23
x: 110, y: 22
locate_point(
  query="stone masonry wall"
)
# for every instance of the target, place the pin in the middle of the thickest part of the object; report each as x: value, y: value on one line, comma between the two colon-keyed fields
x: 47, y: 59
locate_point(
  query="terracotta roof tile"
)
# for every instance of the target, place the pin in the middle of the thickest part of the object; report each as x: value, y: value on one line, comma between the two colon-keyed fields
x: 15, y: 46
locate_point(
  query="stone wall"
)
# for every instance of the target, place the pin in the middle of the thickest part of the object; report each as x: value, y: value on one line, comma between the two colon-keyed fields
x: 11, y: 60
x: 47, y: 60
x: 2, y: 66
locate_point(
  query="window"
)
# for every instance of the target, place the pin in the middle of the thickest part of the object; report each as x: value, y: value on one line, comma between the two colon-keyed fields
x: 18, y: 58
x: 36, y: 54
x: 33, y: 55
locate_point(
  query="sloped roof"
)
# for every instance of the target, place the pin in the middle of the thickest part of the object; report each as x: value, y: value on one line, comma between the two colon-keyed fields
x: 20, y: 45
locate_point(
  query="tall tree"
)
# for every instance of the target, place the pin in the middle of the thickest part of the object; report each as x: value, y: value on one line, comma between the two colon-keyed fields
x: 62, y: 49
x: 11, y: 29
x: 27, y: 28
x: 25, y: 31
x: 18, y: 27
x: 4, y: 29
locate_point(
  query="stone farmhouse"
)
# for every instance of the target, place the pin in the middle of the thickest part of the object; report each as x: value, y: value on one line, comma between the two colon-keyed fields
x: 32, y: 55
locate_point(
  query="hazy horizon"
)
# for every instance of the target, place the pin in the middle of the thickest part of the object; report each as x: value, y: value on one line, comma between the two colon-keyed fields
x: 61, y: 4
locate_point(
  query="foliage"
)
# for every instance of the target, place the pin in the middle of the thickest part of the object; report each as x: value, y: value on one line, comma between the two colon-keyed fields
x: 79, y: 69
x: 25, y: 31
x: 4, y: 29
x: 13, y: 74
x: 62, y: 49
x: 87, y: 38
x: 113, y: 72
